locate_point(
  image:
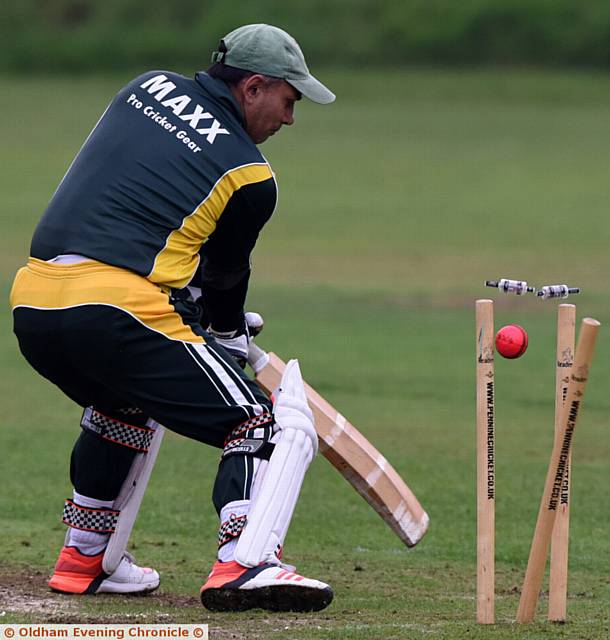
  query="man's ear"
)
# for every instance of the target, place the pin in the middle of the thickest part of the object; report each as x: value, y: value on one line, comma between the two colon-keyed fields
x: 252, y: 86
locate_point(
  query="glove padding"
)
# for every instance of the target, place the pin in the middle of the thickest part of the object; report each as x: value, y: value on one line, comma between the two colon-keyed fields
x: 255, y: 323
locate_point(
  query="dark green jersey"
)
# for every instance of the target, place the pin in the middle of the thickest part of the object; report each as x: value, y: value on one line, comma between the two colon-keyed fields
x: 167, y: 178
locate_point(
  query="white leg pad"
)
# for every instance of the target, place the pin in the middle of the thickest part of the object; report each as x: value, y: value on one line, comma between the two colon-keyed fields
x: 276, y: 496
x: 272, y: 511
x: 130, y: 499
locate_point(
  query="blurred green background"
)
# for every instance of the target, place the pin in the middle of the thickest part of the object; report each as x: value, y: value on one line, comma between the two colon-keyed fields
x: 468, y: 141
x: 66, y: 35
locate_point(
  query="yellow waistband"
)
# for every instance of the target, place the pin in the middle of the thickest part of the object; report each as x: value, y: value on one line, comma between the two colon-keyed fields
x: 50, y: 286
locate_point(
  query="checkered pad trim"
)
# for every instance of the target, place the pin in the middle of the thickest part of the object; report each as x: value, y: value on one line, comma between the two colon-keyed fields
x: 230, y: 529
x: 88, y: 519
x: 254, y: 423
x: 234, y: 443
x: 138, y: 438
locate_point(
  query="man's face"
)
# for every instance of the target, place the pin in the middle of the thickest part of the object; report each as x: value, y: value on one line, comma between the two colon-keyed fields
x: 267, y: 106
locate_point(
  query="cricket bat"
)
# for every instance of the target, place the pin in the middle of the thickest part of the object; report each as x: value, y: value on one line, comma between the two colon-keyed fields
x: 353, y: 456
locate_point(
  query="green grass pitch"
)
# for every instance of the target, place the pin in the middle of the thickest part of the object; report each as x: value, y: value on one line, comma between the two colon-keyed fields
x: 396, y: 203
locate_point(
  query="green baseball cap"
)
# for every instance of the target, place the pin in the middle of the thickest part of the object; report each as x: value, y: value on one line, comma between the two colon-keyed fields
x: 268, y: 50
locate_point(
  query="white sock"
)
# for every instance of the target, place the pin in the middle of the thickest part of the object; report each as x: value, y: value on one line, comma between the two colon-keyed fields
x: 89, y: 542
x: 238, y: 508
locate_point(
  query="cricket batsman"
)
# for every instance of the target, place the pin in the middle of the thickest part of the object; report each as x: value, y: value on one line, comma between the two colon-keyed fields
x: 132, y: 303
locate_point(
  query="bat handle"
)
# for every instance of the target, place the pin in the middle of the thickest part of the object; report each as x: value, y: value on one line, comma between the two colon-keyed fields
x: 257, y: 358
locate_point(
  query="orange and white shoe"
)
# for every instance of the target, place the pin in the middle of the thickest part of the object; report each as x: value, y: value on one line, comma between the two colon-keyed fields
x: 76, y: 572
x: 233, y: 587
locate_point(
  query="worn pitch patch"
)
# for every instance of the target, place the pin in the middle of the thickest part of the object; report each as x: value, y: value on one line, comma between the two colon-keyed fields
x: 28, y: 593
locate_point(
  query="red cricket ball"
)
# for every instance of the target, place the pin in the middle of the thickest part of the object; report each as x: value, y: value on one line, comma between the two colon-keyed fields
x: 511, y: 341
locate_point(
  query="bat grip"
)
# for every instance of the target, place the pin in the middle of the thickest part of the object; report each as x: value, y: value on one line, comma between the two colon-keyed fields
x: 257, y: 358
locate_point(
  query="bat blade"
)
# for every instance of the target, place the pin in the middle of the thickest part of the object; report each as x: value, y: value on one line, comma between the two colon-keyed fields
x: 358, y: 461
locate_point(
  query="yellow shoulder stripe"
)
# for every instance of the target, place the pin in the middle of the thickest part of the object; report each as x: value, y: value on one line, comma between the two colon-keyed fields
x: 176, y: 263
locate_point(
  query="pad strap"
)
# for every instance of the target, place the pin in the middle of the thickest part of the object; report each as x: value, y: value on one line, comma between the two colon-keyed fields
x: 253, y: 423
x: 231, y: 529
x: 123, y: 433
x: 89, y: 519
x: 245, y: 440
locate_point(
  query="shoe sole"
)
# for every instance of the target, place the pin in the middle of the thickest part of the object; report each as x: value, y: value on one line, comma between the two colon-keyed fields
x: 126, y: 590
x: 119, y: 590
x: 280, y: 598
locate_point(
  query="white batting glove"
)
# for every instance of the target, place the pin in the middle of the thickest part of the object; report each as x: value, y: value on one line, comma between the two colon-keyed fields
x: 237, y: 342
